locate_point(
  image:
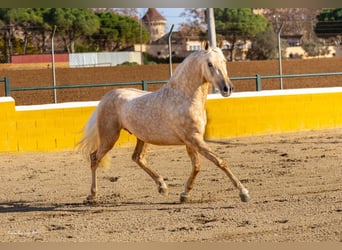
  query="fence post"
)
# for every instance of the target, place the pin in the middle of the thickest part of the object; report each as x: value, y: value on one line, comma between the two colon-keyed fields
x: 144, y: 85
x: 258, y: 82
x: 7, y: 86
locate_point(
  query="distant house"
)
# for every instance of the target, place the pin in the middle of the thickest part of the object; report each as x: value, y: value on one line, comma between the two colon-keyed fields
x: 183, y: 44
x: 155, y: 24
x: 298, y: 26
x: 157, y: 46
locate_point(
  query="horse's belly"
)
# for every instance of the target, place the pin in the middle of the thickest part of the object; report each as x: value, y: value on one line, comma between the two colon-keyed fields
x: 157, y: 135
x: 163, y: 141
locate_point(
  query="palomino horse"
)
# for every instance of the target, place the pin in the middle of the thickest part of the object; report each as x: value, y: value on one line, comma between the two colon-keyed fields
x: 173, y: 115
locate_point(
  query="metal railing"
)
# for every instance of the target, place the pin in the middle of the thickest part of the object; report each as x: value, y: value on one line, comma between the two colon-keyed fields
x: 6, y: 81
x: 144, y: 84
x: 258, y: 78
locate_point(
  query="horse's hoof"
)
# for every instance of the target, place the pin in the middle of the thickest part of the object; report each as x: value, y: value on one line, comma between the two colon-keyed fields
x: 244, y: 195
x: 184, y: 197
x: 90, y: 199
x: 163, y: 191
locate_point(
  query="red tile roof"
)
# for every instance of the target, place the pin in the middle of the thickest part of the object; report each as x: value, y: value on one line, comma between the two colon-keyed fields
x: 153, y: 15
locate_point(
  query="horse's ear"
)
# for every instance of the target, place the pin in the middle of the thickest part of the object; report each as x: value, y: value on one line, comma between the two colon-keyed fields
x: 206, y: 46
x: 220, y: 45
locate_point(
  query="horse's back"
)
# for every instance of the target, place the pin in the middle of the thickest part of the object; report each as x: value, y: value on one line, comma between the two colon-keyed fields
x: 124, y: 94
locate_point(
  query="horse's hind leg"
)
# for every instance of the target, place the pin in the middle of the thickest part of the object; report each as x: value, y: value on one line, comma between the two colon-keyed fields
x: 195, y: 161
x: 95, y: 159
x: 94, y: 162
x: 106, y: 144
x: 139, y: 157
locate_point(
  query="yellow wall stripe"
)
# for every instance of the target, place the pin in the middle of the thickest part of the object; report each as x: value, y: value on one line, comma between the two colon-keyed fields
x: 58, y: 127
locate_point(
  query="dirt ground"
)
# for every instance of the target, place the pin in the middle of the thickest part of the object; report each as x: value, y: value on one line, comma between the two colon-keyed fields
x: 294, y: 180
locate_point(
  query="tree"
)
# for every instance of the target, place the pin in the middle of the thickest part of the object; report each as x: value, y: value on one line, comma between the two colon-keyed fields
x: 30, y: 21
x: 27, y: 30
x: 264, y: 46
x: 41, y: 30
x: 238, y: 24
x: 17, y: 24
x: 329, y: 23
x: 117, y: 32
x: 314, y: 47
x: 10, y: 20
x: 72, y: 23
x: 22, y: 28
x: 130, y: 12
x: 295, y: 20
x: 195, y: 17
x: 195, y: 23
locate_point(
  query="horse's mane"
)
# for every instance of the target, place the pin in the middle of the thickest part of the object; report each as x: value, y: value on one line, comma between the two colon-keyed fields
x: 189, y: 60
x: 187, y: 64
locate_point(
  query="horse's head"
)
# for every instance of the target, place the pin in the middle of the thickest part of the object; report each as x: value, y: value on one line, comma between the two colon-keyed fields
x: 215, y: 70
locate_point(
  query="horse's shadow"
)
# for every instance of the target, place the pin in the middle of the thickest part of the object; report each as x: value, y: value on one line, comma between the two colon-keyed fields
x: 28, y: 206
x: 81, y: 207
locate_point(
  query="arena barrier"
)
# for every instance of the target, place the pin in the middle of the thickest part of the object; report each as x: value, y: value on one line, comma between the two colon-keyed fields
x: 58, y: 127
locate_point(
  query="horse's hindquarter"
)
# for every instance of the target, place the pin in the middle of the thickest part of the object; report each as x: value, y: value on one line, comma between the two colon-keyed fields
x: 158, y: 119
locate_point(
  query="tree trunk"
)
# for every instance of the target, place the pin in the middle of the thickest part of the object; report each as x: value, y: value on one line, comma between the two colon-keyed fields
x: 66, y: 47
x: 25, y: 43
x: 5, y: 49
x: 232, y: 48
x: 43, y: 48
x: 10, y: 45
x: 72, y: 46
x: 72, y: 41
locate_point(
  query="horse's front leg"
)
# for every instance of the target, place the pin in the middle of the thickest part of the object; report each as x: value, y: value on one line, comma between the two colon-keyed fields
x: 139, y: 157
x: 204, y: 150
x: 195, y: 161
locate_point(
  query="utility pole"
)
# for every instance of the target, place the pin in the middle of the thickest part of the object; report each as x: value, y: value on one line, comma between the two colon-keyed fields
x: 211, y: 27
x: 53, y: 65
x: 170, y: 49
x: 141, y: 51
x: 211, y: 32
x: 279, y: 50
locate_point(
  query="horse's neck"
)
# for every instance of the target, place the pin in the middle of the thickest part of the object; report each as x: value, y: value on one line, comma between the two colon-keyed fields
x: 191, y: 86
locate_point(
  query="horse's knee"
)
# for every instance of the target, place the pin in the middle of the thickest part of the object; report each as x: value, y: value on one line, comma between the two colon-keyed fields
x: 136, y: 157
x: 139, y: 152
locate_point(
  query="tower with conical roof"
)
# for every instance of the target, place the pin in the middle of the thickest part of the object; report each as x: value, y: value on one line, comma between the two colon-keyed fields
x: 155, y: 24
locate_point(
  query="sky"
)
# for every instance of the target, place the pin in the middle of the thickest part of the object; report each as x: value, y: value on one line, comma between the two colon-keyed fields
x: 172, y: 15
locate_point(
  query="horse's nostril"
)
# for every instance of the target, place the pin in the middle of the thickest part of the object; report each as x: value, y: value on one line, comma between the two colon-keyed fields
x: 225, y: 89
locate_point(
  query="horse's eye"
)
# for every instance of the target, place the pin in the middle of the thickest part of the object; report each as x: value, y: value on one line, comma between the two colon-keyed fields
x: 210, y: 64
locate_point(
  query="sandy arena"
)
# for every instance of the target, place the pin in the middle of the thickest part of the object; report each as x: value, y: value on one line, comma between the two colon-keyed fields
x: 294, y: 180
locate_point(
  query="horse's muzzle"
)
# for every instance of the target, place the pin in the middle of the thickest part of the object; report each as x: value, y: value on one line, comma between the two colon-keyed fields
x: 227, y: 89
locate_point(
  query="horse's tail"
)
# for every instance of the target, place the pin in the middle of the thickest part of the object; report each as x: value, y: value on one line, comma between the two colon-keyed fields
x: 90, y: 141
